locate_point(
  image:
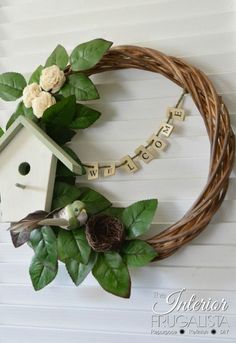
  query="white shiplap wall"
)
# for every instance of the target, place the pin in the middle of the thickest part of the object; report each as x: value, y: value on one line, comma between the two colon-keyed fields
x: 133, y: 102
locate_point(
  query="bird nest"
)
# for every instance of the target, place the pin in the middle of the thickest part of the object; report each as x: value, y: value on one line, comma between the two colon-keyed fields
x: 217, y: 122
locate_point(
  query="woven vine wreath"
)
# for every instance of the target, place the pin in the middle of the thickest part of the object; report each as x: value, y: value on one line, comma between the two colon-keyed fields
x: 83, y: 229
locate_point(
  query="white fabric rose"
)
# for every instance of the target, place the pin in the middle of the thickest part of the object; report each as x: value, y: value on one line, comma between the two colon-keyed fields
x: 30, y: 92
x: 42, y: 102
x: 52, y: 78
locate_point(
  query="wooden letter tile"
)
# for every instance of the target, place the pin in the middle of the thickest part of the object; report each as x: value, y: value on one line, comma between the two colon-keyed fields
x: 176, y: 113
x: 93, y: 171
x: 145, y: 155
x: 157, y: 143
x: 166, y: 129
x: 129, y: 165
x: 111, y: 170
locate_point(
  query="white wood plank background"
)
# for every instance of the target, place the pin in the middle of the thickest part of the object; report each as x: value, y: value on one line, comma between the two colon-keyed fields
x: 133, y: 103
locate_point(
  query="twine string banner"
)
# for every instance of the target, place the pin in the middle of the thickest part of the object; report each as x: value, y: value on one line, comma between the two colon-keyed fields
x: 142, y: 152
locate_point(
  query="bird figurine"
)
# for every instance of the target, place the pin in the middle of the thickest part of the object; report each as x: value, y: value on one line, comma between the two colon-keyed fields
x: 69, y: 217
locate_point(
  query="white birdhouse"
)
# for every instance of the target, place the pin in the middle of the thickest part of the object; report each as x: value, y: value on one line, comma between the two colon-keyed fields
x: 28, y: 159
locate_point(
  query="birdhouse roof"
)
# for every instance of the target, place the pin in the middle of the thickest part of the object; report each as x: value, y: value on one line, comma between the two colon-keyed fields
x: 56, y: 150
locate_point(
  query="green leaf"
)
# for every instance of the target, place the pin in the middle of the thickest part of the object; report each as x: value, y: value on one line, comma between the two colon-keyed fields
x: 35, y: 77
x: 58, y: 97
x: 80, y: 86
x: 70, y: 179
x: 58, y: 57
x: 61, y: 114
x: 11, y: 86
x: 42, y: 272
x: 64, y: 174
x: 21, y: 110
x: 84, y: 117
x: 94, y: 201
x: 63, y: 171
x: 73, y: 155
x: 87, y: 55
x: 78, y: 271
x: 112, y: 274
x: 64, y: 194
x: 60, y: 135
x: 35, y: 238
x: 137, y: 253
x: 44, y: 265
x: 138, y: 217
x: 73, y: 245
x: 11, y: 120
x: 114, y: 212
x: 1, y: 132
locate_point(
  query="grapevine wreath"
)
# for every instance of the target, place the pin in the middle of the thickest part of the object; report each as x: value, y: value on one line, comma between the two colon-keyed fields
x: 83, y: 229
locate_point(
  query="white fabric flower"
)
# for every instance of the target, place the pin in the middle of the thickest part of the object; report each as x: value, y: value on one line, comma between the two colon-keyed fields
x: 30, y: 92
x: 52, y: 78
x: 42, y: 102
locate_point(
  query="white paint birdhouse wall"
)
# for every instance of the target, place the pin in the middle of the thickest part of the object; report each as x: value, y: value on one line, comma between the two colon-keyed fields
x: 22, y: 194
x: 28, y: 159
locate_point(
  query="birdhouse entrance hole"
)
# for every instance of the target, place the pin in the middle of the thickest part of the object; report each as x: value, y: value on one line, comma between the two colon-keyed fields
x: 24, y: 168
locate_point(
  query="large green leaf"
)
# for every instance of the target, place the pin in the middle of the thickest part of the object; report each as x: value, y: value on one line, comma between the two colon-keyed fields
x: 60, y: 135
x: 86, y: 55
x: 44, y: 265
x: 78, y: 271
x: 35, y: 77
x: 11, y: 86
x: 63, y: 171
x: 94, y: 201
x: 114, y: 212
x: 80, y: 86
x: 112, y: 274
x: 137, y: 253
x: 84, y: 117
x: 58, y: 57
x: 74, y: 156
x: 69, y: 178
x: 138, y: 217
x: 73, y: 245
x: 61, y: 114
x: 64, y: 194
x: 24, y: 111
x: 1, y: 132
